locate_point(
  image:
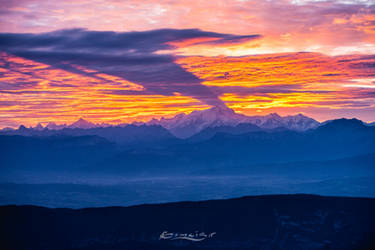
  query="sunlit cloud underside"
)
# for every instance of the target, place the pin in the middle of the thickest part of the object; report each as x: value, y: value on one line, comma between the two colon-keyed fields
x: 123, y: 61
x: 315, y: 84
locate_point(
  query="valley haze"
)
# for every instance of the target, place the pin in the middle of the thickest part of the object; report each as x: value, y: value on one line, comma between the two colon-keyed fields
x: 214, y: 153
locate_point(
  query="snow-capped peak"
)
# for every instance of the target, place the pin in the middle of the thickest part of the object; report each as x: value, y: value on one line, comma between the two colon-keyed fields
x: 183, y: 125
x: 82, y: 123
x: 39, y: 127
x: 54, y: 126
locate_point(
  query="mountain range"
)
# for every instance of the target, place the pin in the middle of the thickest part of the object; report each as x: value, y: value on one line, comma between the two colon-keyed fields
x: 187, y: 125
x: 222, y: 142
x: 335, y: 157
x: 184, y: 126
x: 198, y: 124
x: 151, y: 150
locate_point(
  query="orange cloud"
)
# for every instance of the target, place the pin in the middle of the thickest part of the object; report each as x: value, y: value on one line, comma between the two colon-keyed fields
x: 310, y: 69
x: 274, y: 82
x: 318, y: 85
x: 32, y: 92
x: 316, y: 26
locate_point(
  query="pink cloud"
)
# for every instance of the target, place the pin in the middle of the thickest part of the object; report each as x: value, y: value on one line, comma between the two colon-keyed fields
x: 286, y: 25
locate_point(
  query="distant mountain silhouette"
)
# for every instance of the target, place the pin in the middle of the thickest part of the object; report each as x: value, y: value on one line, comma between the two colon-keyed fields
x: 184, y: 126
x: 257, y: 222
x: 152, y: 150
x: 54, y: 126
x: 343, y: 125
x: 82, y: 123
x: 187, y: 125
x: 39, y: 127
x: 129, y: 134
x: 238, y: 152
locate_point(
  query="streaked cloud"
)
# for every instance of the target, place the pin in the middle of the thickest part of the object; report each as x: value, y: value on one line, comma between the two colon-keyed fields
x: 126, y: 55
x: 135, y: 60
x: 42, y: 87
x: 277, y: 82
x: 285, y: 26
x: 34, y: 92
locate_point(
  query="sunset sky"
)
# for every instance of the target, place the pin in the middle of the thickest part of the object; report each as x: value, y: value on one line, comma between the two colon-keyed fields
x: 122, y: 61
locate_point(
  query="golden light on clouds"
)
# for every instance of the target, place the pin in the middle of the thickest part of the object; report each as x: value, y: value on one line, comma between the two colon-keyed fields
x: 33, y: 92
x: 291, y: 80
x: 309, y: 69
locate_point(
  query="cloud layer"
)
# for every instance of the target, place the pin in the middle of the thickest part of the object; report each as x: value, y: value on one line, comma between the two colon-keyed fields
x: 126, y: 76
x: 330, y: 26
x: 128, y: 55
x: 135, y: 60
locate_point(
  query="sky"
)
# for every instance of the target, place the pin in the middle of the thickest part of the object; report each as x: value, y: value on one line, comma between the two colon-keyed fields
x: 119, y: 61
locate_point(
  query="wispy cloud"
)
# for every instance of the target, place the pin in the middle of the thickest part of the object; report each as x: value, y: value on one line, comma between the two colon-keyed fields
x: 330, y: 26
x: 128, y: 55
x: 157, y: 58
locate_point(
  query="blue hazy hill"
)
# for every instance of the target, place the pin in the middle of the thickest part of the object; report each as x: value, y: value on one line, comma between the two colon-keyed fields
x: 231, y: 150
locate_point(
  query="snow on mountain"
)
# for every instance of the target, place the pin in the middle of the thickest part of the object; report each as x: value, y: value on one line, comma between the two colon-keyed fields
x: 293, y: 122
x: 54, y: 126
x: 39, y: 127
x: 186, y: 125
x: 82, y: 123
x: 183, y: 125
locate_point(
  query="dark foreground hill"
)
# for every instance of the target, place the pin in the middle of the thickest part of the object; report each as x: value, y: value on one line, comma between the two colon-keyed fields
x: 258, y: 222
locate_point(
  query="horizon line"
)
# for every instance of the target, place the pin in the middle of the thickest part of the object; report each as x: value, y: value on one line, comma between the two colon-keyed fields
x: 171, y: 117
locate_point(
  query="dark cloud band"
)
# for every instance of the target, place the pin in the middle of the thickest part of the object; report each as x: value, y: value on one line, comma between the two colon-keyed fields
x: 129, y: 55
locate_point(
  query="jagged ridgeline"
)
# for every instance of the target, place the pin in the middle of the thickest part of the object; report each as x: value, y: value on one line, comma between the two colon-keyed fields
x: 222, y: 142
